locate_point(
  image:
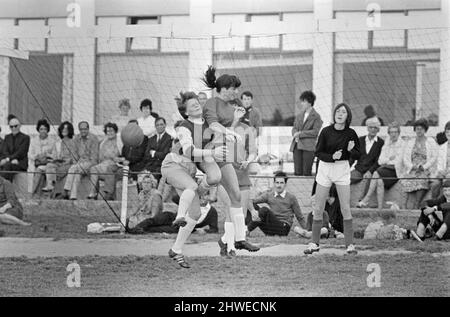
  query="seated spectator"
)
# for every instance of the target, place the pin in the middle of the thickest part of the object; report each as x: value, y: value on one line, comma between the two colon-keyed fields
x: 108, y: 158
x: 40, y: 152
x: 370, y: 146
x: 202, y: 97
x: 443, y: 164
x: 370, y: 113
x: 14, y: 156
x: 134, y: 157
x: 86, y: 156
x: 158, y: 147
x: 333, y: 222
x: 123, y: 117
x: 149, y: 216
x: 147, y: 121
x: 277, y: 219
x: 208, y: 217
x: 62, y: 156
x: 390, y: 162
x: 420, y: 161
x: 11, y: 211
x: 428, y: 217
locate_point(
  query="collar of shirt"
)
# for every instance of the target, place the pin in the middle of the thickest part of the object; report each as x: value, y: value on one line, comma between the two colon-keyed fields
x: 375, y: 139
x: 283, y: 194
x: 159, y: 136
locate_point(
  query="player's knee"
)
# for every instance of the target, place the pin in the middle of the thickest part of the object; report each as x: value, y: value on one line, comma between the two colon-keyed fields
x: 213, y: 179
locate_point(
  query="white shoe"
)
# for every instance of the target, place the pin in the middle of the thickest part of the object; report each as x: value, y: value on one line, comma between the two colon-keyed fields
x: 339, y: 235
x: 312, y: 247
x: 351, y: 249
x: 415, y: 236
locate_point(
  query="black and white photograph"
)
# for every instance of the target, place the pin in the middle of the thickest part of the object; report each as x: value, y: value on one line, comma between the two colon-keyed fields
x: 224, y: 155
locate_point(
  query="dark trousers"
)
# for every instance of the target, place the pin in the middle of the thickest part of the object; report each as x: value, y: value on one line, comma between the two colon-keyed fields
x: 269, y: 224
x: 423, y: 219
x: 210, y: 220
x: 303, y: 161
x: 162, y: 222
x: 11, y: 168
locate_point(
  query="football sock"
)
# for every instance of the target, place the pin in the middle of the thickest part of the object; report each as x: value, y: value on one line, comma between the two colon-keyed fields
x: 238, y: 219
x: 348, y: 231
x: 316, y: 226
x: 183, y: 235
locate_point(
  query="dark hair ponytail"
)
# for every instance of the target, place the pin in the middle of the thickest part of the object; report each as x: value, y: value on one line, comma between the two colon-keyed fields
x: 209, y: 77
x: 224, y: 81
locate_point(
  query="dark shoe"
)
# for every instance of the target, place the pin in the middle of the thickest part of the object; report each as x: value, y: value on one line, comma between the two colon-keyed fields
x: 245, y: 245
x: 212, y: 230
x: 179, y: 222
x: 223, y: 248
x: 73, y: 198
x: 92, y: 197
x: 232, y: 253
x: 47, y: 190
x: 179, y: 258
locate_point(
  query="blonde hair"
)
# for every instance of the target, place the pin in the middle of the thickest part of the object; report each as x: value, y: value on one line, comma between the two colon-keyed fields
x: 124, y: 102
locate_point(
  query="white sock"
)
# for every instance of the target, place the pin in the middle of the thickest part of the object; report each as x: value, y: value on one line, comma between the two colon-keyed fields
x: 228, y: 236
x: 183, y: 235
x: 186, y: 199
x: 442, y: 230
x: 237, y: 216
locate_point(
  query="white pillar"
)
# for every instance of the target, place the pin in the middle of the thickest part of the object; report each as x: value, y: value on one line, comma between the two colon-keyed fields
x: 419, y: 90
x: 444, y: 78
x: 84, y: 68
x: 323, y: 62
x: 4, y: 89
x: 338, y: 83
x: 200, y: 50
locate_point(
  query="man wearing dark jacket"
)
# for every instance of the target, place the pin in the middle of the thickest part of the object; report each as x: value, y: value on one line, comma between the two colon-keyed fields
x: 370, y: 147
x: 158, y: 147
x: 14, y: 155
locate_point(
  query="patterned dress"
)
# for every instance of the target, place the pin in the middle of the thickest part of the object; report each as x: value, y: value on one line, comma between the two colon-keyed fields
x: 418, y: 157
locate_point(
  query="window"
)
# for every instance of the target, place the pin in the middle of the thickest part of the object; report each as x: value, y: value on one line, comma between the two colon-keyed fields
x: 144, y: 43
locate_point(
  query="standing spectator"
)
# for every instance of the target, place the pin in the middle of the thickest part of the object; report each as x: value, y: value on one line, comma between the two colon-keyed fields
x: 108, y: 158
x: 1, y: 143
x: 11, y: 211
x: 441, y: 138
x: 147, y: 121
x: 202, y: 97
x: 390, y: 161
x: 122, y: 119
x: 86, y: 156
x: 252, y: 116
x: 62, y: 157
x: 277, y: 219
x: 370, y: 113
x: 14, y: 156
x: 371, y: 146
x: 420, y: 160
x: 40, y: 152
x: 443, y: 164
x: 158, y: 147
x: 305, y: 131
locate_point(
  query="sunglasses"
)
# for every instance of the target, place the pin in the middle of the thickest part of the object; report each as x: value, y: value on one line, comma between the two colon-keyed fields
x: 13, y: 126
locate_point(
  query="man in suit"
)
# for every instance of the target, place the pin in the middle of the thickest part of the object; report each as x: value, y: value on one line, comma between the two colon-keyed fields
x: 14, y: 155
x: 252, y: 116
x: 370, y: 146
x: 158, y: 147
x: 306, y: 128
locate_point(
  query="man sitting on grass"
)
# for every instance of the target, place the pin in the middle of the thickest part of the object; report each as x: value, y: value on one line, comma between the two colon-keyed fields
x: 428, y: 216
x: 277, y: 219
x: 11, y: 211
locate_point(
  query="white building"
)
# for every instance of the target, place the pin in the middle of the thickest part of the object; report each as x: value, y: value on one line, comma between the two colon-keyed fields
x: 85, y: 57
